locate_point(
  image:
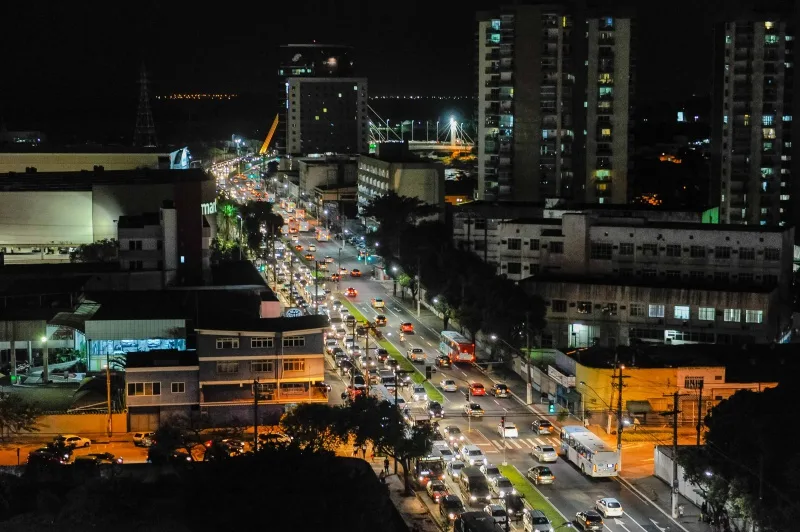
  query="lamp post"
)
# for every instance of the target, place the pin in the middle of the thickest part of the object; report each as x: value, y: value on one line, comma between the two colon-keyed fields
x: 45, y: 362
x: 394, y: 280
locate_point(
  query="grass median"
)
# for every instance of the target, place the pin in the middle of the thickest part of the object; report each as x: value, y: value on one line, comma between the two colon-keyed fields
x: 405, y: 364
x: 532, y: 495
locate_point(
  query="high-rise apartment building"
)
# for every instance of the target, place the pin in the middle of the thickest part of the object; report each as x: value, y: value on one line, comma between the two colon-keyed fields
x: 323, y: 106
x: 752, y: 120
x: 554, y: 91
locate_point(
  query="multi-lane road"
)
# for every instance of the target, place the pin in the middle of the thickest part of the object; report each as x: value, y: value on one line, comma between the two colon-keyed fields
x: 572, y: 491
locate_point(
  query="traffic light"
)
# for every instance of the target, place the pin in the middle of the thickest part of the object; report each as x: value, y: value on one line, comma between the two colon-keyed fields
x: 552, y: 408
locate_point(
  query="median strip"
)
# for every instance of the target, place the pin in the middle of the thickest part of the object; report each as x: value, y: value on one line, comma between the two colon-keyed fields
x: 405, y: 364
x: 532, y: 495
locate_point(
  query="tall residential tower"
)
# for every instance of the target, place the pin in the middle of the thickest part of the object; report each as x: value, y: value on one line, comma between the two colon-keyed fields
x: 752, y: 120
x: 554, y: 91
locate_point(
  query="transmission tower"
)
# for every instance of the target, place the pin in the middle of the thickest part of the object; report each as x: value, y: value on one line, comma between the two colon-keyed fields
x: 145, y: 134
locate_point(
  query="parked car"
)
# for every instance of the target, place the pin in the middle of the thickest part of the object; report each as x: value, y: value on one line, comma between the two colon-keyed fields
x: 45, y: 457
x: 73, y: 441
x: 138, y: 438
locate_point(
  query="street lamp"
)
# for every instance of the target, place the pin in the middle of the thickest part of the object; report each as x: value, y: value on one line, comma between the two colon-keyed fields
x: 394, y: 281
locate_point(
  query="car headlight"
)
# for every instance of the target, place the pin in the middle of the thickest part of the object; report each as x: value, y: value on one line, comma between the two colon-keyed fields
x: 502, y: 494
x: 451, y: 515
x: 473, y: 498
x: 510, y: 511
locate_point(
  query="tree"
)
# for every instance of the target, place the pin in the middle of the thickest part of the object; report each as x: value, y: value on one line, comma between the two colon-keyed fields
x: 258, y: 215
x: 101, y: 251
x: 225, y: 251
x: 17, y: 415
x: 316, y: 427
x: 394, y: 213
x: 227, y: 211
x: 441, y: 304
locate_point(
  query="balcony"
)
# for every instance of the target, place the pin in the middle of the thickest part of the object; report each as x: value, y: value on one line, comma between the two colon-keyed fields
x: 494, y: 55
x: 494, y: 69
x: 493, y: 96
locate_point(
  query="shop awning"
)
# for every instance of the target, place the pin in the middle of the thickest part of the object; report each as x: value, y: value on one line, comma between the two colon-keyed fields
x: 639, y: 407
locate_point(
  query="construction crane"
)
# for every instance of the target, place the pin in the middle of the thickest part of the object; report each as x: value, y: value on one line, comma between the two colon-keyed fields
x: 264, y: 146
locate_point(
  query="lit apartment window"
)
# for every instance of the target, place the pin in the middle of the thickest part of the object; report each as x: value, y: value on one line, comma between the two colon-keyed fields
x: 768, y: 133
x: 732, y: 314
x: 754, y: 316
x: 605, y: 132
x: 227, y: 343
x: 706, y: 314
x: 681, y: 312
x: 584, y: 307
x: 655, y: 311
x: 767, y: 120
x: 258, y: 341
x: 294, y: 364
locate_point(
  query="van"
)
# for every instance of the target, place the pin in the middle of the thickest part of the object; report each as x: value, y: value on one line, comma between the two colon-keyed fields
x: 387, y: 377
x: 536, y: 521
x: 474, y: 488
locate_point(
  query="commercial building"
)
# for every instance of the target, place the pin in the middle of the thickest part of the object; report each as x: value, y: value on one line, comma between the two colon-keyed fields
x: 332, y: 171
x: 284, y: 355
x: 394, y: 169
x: 752, y: 126
x: 22, y: 161
x: 148, y: 245
x: 554, y: 85
x: 323, y: 105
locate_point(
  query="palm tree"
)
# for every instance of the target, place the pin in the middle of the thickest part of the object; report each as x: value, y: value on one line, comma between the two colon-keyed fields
x: 226, y: 218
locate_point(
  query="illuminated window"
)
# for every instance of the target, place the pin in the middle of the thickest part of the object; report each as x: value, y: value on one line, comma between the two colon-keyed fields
x: 727, y: 39
x: 602, y: 187
x: 495, y: 38
x: 655, y: 311
x: 732, y: 314
x: 768, y: 146
x: 606, y: 91
x: 787, y: 118
x: 754, y: 316
x: 604, y: 78
x: 769, y: 25
x: 706, y: 313
x: 746, y: 120
x: 767, y: 120
x: 681, y: 312
x: 771, y: 39
x: 495, y: 24
x: 769, y: 133
x: 606, y: 132
x: 784, y: 197
x: 316, y: 117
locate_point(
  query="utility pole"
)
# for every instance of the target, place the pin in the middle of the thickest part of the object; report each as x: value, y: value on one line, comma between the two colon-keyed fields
x: 255, y: 414
x: 620, y: 424
x: 699, y: 411
x: 108, y: 396
x: 529, y: 385
x: 316, y: 287
x: 674, y: 492
x: 419, y: 284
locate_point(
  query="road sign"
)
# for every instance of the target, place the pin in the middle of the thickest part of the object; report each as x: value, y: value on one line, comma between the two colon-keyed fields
x: 293, y: 313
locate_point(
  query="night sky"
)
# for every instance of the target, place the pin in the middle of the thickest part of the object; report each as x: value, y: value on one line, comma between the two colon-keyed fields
x: 81, y: 64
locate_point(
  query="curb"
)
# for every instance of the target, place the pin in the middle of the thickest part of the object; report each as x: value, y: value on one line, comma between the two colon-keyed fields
x: 630, y: 486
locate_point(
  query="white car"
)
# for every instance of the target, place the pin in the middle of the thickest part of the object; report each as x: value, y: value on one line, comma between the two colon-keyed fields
x: 448, y: 385
x: 497, y: 512
x: 490, y: 471
x: 71, y: 440
x: 330, y: 344
x: 545, y: 453
x: 472, y: 455
x: 507, y: 430
x: 418, y: 393
x: 312, y: 247
x: 502, y: 487
x: 609, y: 507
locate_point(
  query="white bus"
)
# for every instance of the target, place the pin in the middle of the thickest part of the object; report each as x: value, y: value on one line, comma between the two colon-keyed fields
x: 586, y: 450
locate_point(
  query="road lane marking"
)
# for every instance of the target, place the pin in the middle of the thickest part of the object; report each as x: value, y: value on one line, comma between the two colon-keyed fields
x: 530, y: 442
x: 514, y: 442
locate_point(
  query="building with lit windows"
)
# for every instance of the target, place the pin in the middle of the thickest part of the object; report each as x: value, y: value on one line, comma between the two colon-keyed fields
x: 753, y: 99
x: 538, y: 136
x: 323, y: 106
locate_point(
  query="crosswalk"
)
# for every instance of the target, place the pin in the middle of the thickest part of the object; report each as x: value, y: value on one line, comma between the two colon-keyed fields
x: 523, y: 443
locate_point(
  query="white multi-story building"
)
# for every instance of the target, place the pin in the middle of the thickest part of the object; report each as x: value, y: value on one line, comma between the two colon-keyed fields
x: 393, y: 168
x: 148, y: 246
x: 584, y: 244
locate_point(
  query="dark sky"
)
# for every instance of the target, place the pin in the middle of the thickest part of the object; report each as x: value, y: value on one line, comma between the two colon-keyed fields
x: 63, y: 59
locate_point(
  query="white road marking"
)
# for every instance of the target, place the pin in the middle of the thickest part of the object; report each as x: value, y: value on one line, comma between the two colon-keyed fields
x: 541, y: 441
x: 514, y: 442
x: 531, y: 443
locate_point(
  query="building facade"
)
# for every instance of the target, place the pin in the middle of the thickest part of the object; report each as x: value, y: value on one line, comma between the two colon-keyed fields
x: 284, y: 355
x: 393, y: 168
x: 148, y: 244
x: 331, y: 171
x: 631, y: 248
x: 538, y: 136
x: 752, y: 121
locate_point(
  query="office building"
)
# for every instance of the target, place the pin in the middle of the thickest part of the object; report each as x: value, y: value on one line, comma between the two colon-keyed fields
x: 323, y: 105
x: 538, y: 135
x: 753, y: 100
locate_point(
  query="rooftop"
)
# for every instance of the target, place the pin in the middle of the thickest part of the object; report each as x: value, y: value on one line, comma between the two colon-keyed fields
x: 139, y: 221
x: 85, y: 180
x: 224, y: 323
x: 238, y: 273
x: 161, y: 358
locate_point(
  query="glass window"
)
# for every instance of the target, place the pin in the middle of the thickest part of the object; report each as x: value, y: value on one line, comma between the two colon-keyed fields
x: 535, y: 244
x: 722, y: 252
x: 261, y: 366
x: 227, y: 367
x: 655, y: 311
x: 557, y: 247
x: 178, y: 387
x: 294, y: 364
x: 754, y: 316
x: 767, y: 120
x: 227, y: 343
x: 294, y: 341
x: 637, y: 309
x: 559, y: 305
x: 584, y: 307
x: 673, y: 250
x: 681, y: 312
x: 732, y: 314
x: 514, y: 268
x: 747, y: 254
x: 697, y: 252
x: 706, y: 314
x: 514, y: 244
x: 650, y: 249
x: 144, y: 388
x: 626, y: 249
x: 495, y: 24
x: 601, y: 250
x: 772, y: 253
x: 258, y: 341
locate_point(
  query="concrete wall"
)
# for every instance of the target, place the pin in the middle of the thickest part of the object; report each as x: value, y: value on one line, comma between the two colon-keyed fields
x: 75, y: 162
x: 135, y: 329
x: 663, y: 470
x: 89, y: 425
x: 111, y: 201
x: 44, y: 217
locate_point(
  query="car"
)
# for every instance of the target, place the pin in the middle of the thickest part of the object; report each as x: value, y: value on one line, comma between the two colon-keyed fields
x: 536, y: 521
x: 407, y: 328
x: 589, y: 520
x: 454, y: 468
x: 355, y: 272
x: 380, y: 320
x: 473, y: 410
x: 490, y: 471
x: 351, y: 292
x: 322, y: 385
x: 45, y: 457
x: 382, y: 354
x: 418, y: 393
x: 415, y: 354
x: 450, y: 507
x: 329, y: 259
x: 476, y: 388
x: 73, y: 441
x: 435, y: 409
x: 542, y: 426
x: 545, y: 453
x: 330, y: 345
x: 497, y: 512
x: 443, y: 361
x: 500, y: 390
x: 106, y: 458
x: 298, y: 247
x: 390, y: 363
x: 507, y: 430
x: 540, y: 475
x: 453, y: 434
x: 448, y: 385
x: 502, y: 486
x: 335, y: 277
x: 472, y: 455
x: 342, y: 271
x: 312, y: 247
x: 138, y: 438
x: 447, y: 454
x: 513, y: 506
x: 609, y: 507
x: 436, y: 490
x: 308, y: 256
x: 377, y: 302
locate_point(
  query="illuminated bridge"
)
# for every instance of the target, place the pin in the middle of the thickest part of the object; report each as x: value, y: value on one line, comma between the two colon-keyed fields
x: 450, y: 136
